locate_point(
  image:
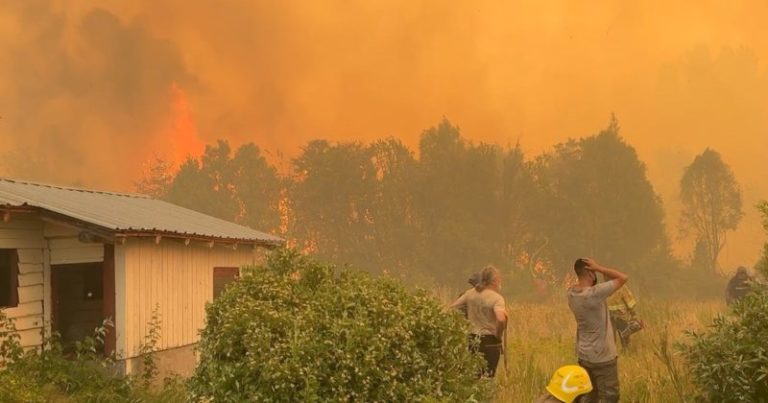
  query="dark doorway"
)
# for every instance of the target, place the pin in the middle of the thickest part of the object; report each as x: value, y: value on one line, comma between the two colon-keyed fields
x: 77, y: 291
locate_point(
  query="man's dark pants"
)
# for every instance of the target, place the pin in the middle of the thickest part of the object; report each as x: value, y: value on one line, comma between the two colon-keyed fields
x: 605, y: 381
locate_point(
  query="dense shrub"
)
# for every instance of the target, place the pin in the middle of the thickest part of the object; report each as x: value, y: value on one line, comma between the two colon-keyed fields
x: 50, y: 374
x: 729, y: 361
x: 762, y: 265
x: 298, y: 330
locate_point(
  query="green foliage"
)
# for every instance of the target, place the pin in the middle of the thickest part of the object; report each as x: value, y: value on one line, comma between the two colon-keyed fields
x: 298, y: 330
x: 242, y: 187
x: 332, y: 197
x: 470, y: 202
x: 149, y: 370
x: 50, y: 374
x: 10, y: 346
x: 157, y: 180
x: 762, y: 265
x: 711, y: 203
x: 457, y: 207
x: 664, y: 351
x: 597, y: 201
x: 394, y: 221
x: 729, y: 361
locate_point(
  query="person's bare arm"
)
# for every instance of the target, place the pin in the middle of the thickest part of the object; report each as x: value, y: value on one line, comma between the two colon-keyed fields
x: 501, y: 315
x: 461, y: 301
x: 501, y: 322
x: 618, y: 278
x: 500, y: 311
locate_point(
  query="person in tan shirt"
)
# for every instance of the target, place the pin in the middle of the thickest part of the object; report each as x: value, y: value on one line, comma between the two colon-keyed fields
x: 487, y: 314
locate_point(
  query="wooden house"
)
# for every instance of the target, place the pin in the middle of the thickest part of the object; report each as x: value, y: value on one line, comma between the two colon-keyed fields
x: 71, y: 257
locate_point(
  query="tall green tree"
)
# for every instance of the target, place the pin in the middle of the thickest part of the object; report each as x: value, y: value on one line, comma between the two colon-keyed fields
x: 257, y: 187
x: 762, y: 265
x: 712, y: 203
x: 241, y: 187
x: 157, y: 180
x: 194, y: 189
x: 597, y: 201
x: 520, y: 197
x: 331, y: 196
x: 395, y: 224
x: 458, y: 204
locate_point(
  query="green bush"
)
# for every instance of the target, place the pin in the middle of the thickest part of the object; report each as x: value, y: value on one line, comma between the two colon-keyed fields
x: 729, y: 361
x: 48, y: 374
x: 298, y: 330
x: 762, y: 265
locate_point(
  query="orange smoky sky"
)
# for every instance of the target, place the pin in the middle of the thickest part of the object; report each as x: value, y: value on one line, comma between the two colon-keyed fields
x: 91, y: 90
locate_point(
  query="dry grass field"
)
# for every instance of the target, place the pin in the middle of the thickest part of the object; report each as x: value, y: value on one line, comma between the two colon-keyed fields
x: 541, y: 338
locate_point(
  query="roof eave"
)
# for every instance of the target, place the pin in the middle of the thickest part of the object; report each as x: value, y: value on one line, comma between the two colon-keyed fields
x: 270, y: 244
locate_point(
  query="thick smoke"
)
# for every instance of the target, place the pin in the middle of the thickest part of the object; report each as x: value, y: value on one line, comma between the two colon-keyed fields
x: 91, y: 92
x: 87, y: 95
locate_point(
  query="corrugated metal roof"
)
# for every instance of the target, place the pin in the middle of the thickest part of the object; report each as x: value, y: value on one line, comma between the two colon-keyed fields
x: 124, y: 212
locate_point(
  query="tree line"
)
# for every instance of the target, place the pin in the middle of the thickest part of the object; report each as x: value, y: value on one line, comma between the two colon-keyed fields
x: 436, y: 217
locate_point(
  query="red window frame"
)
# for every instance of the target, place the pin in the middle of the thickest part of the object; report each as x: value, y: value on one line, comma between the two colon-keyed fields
x: 222, y: 276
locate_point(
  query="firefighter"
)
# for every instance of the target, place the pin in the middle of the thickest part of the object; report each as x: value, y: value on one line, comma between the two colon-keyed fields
x: 738, y: 286
x: 568, y: 383
x: 621, y: 306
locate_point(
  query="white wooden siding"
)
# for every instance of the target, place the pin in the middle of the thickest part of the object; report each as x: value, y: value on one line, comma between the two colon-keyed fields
x: 56, y: 230
x: 71, y: 251
x: 174, y: 278
x: 24, y: 232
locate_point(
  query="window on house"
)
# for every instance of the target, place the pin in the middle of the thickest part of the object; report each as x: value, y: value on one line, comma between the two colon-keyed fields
x: 9, y: 278
x: 223, y: 276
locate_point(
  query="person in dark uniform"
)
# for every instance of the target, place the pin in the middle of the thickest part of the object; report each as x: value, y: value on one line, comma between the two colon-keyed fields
x: 738, y: 286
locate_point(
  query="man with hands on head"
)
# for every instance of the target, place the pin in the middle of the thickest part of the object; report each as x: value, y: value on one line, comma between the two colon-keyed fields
x: 595, y: 344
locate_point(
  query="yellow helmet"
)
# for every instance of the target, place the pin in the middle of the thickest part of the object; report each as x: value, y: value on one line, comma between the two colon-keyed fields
x: 569, y: 382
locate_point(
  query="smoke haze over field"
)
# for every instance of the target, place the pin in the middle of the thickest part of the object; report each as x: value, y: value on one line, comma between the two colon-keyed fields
x: 92, y: 90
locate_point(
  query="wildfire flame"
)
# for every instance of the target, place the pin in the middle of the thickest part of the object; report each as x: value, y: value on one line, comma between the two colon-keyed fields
x: 184, y: 140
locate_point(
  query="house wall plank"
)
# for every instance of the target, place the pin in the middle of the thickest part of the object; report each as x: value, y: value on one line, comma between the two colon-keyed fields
x: 30, y: 256
x: 34, y: 308
x: 24, y: 232
x: 176, y: 278
x: 30, y: 268
x: 30, y: 279
x: 31, y: 337
x: 31, y: 293
x: 72, y: 251
x: 52, y: 230
x: 120, y: 287
x: 28, y: 322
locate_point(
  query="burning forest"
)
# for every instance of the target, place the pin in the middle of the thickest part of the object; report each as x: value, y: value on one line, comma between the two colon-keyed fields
x: 321, y: 201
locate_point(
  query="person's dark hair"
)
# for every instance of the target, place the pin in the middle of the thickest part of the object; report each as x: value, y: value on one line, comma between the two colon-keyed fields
x: 474, y: 279
x: 580, y: 267
x: 487, y: 275
x: 742, y: 273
